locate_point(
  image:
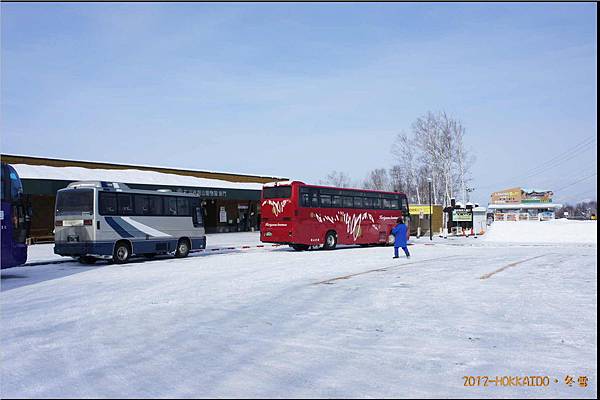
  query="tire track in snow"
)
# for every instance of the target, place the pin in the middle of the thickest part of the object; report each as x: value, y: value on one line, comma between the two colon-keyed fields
x: 331, y: 280
x: 490, y: 274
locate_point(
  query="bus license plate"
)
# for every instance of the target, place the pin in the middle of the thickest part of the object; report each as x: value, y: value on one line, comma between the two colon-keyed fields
x: 72, y: 222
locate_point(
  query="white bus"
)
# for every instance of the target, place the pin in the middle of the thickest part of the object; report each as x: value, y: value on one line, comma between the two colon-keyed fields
x: 105, y: 220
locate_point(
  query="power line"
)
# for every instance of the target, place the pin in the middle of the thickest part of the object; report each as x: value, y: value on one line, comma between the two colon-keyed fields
x: 588, y: 191
x: 567, y: 155
x: 576, y: 182
x: 557, y: 164
x: 565, y: 178
x: 580, y: 198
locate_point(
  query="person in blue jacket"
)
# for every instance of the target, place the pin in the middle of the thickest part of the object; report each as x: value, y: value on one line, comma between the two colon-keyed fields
x: 399, y: 232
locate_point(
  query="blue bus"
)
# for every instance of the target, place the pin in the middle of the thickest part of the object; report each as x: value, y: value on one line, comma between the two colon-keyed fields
x: 15, y: 218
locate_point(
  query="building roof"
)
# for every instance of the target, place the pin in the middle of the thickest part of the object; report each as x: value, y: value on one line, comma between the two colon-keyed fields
x: 56, y: 162
x: 512, y: 206
x: 525, y: 190
x: 541, y: 191
x: 132, y: 176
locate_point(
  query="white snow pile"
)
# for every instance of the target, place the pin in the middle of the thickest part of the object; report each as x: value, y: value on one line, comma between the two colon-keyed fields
x: 125, y: 176
x: 556, y: 231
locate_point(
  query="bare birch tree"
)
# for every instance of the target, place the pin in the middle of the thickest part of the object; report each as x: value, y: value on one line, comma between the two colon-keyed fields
x: 377, y: 179
x: 436, y: 150
x: 404, y: 173
x: 463, y: 159
x: 337, y: 179
x: 397, y: 180
x: 427, y: 136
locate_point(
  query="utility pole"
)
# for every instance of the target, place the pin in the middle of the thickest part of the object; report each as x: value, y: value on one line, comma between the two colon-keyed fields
x: 430, y: 211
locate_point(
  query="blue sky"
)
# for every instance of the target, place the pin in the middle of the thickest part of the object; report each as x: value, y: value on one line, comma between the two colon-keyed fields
x: 298, y: 90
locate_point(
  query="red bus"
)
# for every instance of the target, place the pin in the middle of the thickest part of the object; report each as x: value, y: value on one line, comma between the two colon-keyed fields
x: 302, y: 215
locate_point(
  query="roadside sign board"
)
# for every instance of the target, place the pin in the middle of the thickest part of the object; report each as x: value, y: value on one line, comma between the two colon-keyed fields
x: 462, y: 216
x: 418, y: 209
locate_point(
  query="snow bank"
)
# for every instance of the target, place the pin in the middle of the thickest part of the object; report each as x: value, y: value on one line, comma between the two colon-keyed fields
x: 556, y: 231
x: 126, y: 176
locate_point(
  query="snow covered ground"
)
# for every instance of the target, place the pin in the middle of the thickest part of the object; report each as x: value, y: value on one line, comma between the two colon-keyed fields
x: 555, y: 231
x: 276, y: 323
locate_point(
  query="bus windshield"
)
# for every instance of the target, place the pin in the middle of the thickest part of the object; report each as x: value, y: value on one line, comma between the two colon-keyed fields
x: 15, y: 218
x: 404, y: 205
x: 74, y: 201
x: 12, y: 189
x: 277, y: 192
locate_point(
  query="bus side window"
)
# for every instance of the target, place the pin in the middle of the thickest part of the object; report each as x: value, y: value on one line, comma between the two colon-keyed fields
x: 314, y: 200
x: 155, y: 205
x: 367, y: 202
x: 347, y: 201
x: 304, y: 200
x: 325, y: 200
x: 336, y: 201
x: 125, y: 204
x: 171, y: 205
x: 108, y: 203
x: 141, y: 204
x: 358, y: 202
x: 377, y: 204
x: 183, y: 206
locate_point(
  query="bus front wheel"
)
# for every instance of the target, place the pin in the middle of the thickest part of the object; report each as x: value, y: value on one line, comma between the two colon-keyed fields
x: 183, y: 248
x: 122, y: 253
x: 330, y: 240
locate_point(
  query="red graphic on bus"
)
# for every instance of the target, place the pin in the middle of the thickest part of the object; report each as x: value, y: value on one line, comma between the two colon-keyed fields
x: 302, y: 215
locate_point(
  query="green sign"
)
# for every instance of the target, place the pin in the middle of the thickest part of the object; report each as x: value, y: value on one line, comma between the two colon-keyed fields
x: 462, y: 216
x: 541, y: 200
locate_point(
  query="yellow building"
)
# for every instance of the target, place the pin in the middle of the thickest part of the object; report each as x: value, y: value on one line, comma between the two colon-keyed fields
x: 420, y: 215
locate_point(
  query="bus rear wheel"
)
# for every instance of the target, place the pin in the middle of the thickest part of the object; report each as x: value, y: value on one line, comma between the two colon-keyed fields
x: 183, y: 248
x: 330, y: 240
x: 299, y: 247
x: 122, y: 253
x: 87, y: 260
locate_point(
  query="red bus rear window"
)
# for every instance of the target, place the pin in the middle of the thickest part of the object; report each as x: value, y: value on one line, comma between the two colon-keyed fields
x: 277, y: 192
